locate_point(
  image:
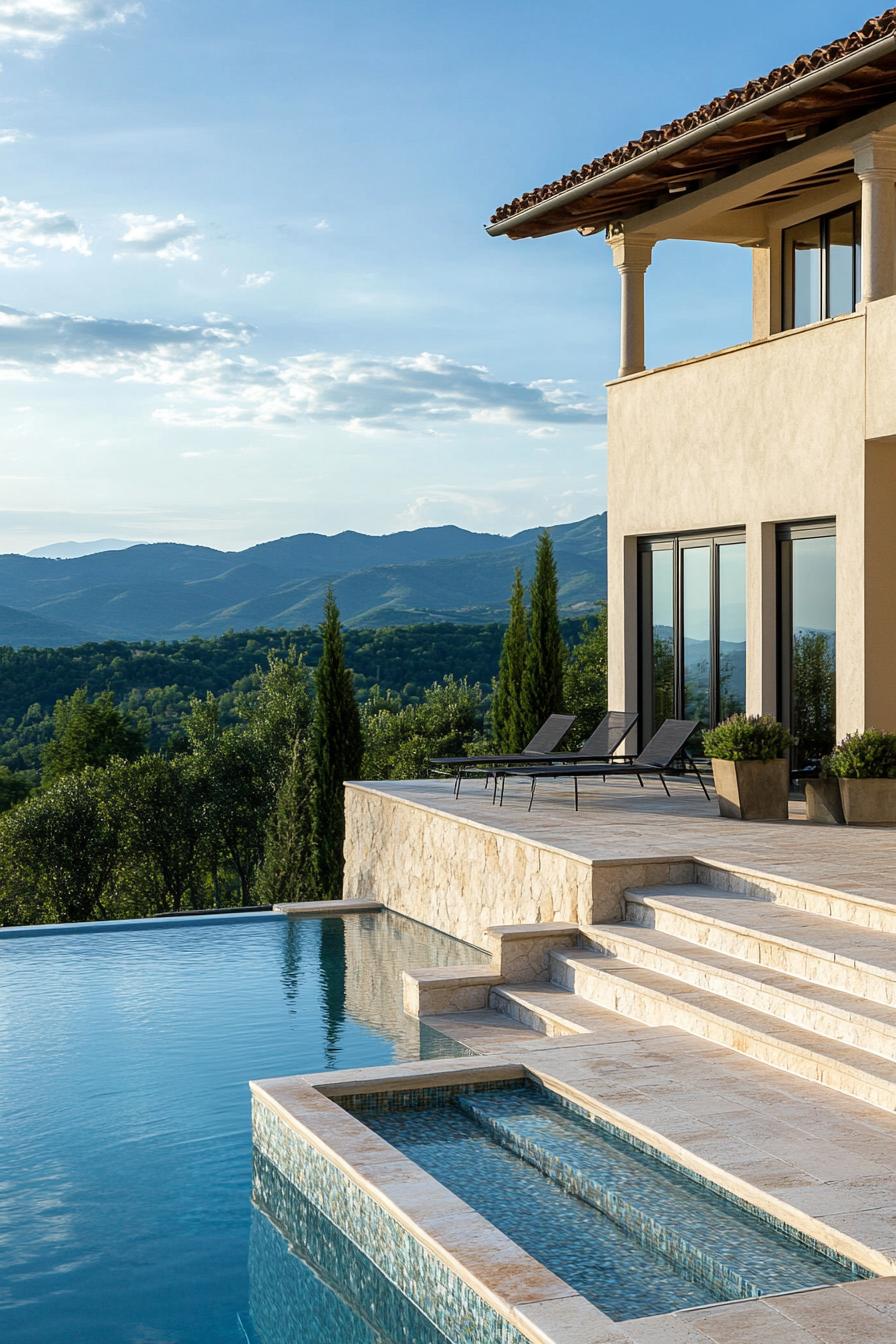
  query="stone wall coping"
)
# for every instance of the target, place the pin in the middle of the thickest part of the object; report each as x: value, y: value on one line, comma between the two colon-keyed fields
x: 433, y: 976
x: 341, y: 907
x: 512, y: 932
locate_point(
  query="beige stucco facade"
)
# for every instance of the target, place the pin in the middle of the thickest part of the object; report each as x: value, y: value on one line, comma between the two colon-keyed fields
x: 793, y: 427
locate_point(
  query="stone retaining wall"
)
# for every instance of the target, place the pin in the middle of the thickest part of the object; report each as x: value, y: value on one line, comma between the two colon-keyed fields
x: 460, y: 876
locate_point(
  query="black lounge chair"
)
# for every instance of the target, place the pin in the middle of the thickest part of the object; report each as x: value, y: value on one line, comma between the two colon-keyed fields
x: 546, y: 740
x: 602, y: 745
x: 658, y: 758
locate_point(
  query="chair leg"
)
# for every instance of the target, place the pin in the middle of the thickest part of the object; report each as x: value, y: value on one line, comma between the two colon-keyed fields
x: 640, y: 781
x: 494, y: 787
x: 531, y: 795
x: 457, y: 778
x: 575, y: 780
x: 665, y: 785
x: 503, y: 781
x: 703, y: 785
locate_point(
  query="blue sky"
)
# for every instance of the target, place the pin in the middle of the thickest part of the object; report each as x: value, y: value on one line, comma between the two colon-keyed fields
x: 246, y: 290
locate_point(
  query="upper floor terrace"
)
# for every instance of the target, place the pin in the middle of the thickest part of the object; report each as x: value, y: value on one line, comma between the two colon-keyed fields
x: 799, y: 166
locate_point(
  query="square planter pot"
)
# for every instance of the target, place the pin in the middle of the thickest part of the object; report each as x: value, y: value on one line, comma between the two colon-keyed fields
x: 752, y: 790
x: 823, y: 801
x: 869, y: 802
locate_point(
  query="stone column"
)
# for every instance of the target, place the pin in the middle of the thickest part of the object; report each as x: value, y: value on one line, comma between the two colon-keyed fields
x: 875, y: 167
x: 631, y: 257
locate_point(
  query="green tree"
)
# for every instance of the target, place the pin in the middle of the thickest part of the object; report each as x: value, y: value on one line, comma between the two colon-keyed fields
x: 240, y: 792
x: 167, y: 820
x: 399, y: 740
x: 507, y: 702
x: 60, y: 850
x: 585, y: 678
x: 281, y: 718
x: 545, y: 653
x: 336, y: 750
x: 89, y: 733
x: 813, y: 682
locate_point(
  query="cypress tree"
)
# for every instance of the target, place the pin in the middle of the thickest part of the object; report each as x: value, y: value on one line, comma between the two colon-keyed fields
x: 507, y: 718
x: 336, y: 750
x: 546, y: 653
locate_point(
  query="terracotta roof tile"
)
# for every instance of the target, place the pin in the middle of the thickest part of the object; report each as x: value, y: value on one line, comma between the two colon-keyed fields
x: 884, y: 25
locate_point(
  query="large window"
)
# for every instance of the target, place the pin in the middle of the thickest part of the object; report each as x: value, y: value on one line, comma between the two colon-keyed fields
x: 807, y: 638
x: 822, y: 267
x: 693, y: 628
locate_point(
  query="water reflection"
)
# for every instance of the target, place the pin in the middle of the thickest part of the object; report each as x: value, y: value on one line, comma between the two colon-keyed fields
x: 308, y: 1282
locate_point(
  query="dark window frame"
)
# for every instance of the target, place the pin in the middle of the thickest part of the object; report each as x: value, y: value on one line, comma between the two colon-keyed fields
x: 677, y: 543
x: 788, y: 265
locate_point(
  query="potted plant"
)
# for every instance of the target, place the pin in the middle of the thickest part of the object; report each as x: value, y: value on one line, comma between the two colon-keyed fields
x: 823, y: 803
x: 865, y: 765
x: 750, y: 766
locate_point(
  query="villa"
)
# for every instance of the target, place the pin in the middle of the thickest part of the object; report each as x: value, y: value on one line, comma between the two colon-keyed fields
x: 671, y: 1114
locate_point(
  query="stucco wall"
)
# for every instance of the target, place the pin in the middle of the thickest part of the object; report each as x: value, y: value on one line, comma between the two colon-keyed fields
x: 769, y: 432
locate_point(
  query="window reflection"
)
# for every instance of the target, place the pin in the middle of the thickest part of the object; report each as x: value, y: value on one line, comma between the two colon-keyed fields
x: 813, y: 644
x: 732, y: 629
x: 695, y: 620
x: 663, y: 623
x: 804, y: 247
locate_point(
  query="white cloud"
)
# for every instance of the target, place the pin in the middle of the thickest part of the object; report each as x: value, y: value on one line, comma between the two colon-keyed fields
x: 26, y: 228
x: 257, y: 279
x: 323, y: 226
x: 10, y: 136
x: 34, y: 26
x: 211, y: 380
x: 167, y: 239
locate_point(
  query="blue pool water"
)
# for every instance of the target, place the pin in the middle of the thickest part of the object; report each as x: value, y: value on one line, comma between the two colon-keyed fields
x: 634, y: 1235
x: 126, y: 1168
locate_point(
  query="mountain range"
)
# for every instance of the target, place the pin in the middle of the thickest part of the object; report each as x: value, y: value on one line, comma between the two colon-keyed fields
x: 167, y: 590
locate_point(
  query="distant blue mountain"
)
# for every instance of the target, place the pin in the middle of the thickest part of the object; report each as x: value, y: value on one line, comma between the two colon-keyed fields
x: 170, y: 591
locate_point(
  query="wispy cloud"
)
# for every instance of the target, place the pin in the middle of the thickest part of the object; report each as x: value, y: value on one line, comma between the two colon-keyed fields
x: 167, y: 239
x: 257, y: 279
x: 323, y: 226
x: 10, y: 136
x: 34, y: 26
x: 211, y: 380
x: 26, y: 229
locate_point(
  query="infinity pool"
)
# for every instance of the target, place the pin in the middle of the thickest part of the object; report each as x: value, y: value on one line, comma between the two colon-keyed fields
x: 126, y: 1169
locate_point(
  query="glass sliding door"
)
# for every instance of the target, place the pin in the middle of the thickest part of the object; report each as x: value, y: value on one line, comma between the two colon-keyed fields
x: 807, y: 645
x: 693, y: 629
x: 696, y: 634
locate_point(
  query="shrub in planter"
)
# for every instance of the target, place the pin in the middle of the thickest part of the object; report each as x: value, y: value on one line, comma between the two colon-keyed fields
x: 750, y: 767
x: 865, y: 764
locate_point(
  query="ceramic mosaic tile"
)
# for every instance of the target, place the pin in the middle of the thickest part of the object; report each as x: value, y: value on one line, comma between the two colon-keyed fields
x: 443, y: 1298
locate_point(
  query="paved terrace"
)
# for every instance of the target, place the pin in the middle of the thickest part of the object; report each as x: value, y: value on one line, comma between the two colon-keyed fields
x: 820, y: 1158
x: 617, y: 821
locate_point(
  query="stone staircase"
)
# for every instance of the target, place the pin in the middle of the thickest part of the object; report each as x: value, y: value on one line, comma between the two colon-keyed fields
x: 759, y: 972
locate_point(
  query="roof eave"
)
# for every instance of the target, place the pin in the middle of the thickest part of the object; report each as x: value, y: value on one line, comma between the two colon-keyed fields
x: 875, y: 51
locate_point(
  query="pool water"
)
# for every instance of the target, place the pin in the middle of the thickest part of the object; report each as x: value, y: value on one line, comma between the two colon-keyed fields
x: 125, y: 1132
x: 632, y: 1233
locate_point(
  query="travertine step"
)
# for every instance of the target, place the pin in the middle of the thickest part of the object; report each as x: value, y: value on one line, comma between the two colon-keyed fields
x: 659, y: 1000
x: 829, y: 1012
x: 859, y: 908
x: 831, y: 952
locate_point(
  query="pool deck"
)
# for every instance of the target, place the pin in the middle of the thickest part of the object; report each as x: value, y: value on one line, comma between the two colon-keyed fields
x: 820, y: 1160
